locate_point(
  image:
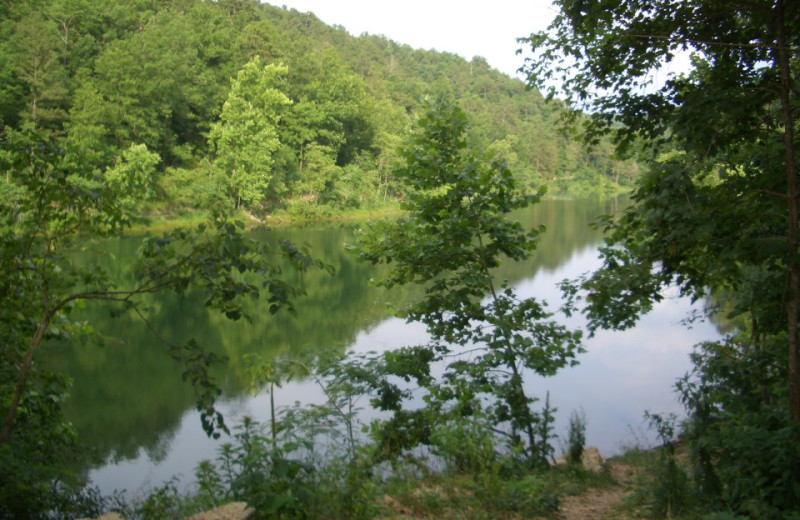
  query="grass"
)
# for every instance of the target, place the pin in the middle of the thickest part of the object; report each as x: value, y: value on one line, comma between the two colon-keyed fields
x: 157, y: 220
x: 160, y: 218
x: 161, y: 222
x: 658, y: 490
x: 411, y: 495
x: 444, y: 496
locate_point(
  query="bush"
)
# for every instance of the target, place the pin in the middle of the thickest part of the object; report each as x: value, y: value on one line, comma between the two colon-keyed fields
x: 309, y: 211
x: 36, y: 479
x: 261, y: 472
x: 465, y: 444
x: 743, y: 446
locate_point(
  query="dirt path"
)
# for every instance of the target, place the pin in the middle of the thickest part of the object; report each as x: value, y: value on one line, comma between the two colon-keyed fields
x: 600, y: 503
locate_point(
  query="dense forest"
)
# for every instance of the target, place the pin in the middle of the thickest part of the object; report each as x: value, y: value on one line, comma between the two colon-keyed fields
x: 109, y: 110
x: 117, y: 110
x: 262, y: 107
x: 715, y: 213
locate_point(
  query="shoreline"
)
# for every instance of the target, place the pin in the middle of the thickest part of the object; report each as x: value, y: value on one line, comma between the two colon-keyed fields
x: 156, y: 221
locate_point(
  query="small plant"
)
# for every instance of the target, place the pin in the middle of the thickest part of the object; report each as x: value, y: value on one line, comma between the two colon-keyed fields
x: 671, y: 493
x: 533, y: 495
x: 265, y: 475
x: 165, y: 502
x: 211, y: 490
x: 544, y: 428
x: 576, y: 438
x: 465, y: 444
x: 306, y: 463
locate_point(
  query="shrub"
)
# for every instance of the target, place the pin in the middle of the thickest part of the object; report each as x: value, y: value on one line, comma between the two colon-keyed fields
x: 744, y: 449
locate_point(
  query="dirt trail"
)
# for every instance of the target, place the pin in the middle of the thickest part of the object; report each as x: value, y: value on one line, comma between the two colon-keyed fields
x: 600, y: 503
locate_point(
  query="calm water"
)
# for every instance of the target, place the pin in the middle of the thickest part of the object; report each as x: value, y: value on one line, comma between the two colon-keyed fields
x: 129, y: 403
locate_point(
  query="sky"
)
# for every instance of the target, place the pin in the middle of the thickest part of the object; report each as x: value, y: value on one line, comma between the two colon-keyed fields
x: 465, y: 27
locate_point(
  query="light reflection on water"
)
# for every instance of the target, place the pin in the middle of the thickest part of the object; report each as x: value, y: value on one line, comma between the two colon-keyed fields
x: 622, y: 375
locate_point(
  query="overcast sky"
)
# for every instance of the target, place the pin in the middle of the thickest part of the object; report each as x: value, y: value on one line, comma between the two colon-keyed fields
x: 487, y: 28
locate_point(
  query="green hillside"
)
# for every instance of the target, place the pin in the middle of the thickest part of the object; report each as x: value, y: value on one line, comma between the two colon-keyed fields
x: 257, y: 106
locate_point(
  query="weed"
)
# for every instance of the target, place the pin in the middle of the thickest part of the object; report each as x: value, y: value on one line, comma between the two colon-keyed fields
x: 576, y: 438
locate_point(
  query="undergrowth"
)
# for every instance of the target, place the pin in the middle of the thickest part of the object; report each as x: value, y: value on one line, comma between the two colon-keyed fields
x: 288, y: 476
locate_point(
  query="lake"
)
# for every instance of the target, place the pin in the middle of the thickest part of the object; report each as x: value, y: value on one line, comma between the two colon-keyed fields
x: 130, y: 405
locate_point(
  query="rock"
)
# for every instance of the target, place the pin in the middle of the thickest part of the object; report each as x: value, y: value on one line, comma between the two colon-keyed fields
x: 591, y: 460
x: 107, y: 516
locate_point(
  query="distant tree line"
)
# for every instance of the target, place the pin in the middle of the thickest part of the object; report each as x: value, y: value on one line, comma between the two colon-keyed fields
x: 262, y: 107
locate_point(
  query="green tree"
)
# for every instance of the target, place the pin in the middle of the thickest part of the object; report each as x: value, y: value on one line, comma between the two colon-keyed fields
x: 40, y: 69
x: 131, y: 98
x: 715, y: 213
x: 392, y: 128
x: 330, y: 115
x: 49, y: 212
x: 132, y: 178
x: 457, y: 234
x: 260, y: 39
x: 157, y: 73
x: 246, y: 136
x: 725, y: 197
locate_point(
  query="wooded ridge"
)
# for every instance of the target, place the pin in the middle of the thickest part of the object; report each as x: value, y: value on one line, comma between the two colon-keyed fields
x: 260, y: 107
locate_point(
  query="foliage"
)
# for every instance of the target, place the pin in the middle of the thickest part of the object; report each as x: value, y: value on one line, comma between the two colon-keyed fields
x: 131, y: 178
x: 165, y: 501
x: 717, y: 203
x: 281, y: 475
x: 263, y: 475
x: 105, y: 78
x: 671, y: 495
x: 57, y: 211
x: 466, y: 446
x: 35, y: 482
x: 246, y: 137
x: 576, y: 438
x: 742, y: 444
x: 457, y: 233
x: 716, y: 212
x: 333, y: 484
x: 647, y: 467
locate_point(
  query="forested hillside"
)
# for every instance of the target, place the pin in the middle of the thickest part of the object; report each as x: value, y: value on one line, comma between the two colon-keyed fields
x: 194, y: 101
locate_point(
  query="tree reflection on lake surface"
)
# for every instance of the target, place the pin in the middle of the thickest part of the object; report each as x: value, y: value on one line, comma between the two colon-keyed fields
x: 130, y: 405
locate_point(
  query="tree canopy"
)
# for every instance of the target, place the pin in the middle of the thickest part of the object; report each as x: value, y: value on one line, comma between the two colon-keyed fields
x: 102, y: 78
x: 717, y: 211
x: 722, y: 193
x: 246, y: 137
x: 458, y: 232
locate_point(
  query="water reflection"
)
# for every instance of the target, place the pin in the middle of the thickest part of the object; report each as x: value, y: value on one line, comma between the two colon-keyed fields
x: 622, y: 374
x: 130, y: 404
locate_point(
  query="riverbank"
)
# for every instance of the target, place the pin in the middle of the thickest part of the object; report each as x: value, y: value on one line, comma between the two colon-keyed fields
x: 620, y: 488
x: 161, y: 220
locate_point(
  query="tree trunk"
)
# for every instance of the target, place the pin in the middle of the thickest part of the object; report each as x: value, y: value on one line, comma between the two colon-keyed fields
x: 23, y: 378
x: 782, y: 62
x: 521, y: 413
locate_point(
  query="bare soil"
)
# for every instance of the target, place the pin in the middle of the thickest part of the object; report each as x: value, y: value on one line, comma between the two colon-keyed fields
x: 234, y: 511
x: 601, y: 503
